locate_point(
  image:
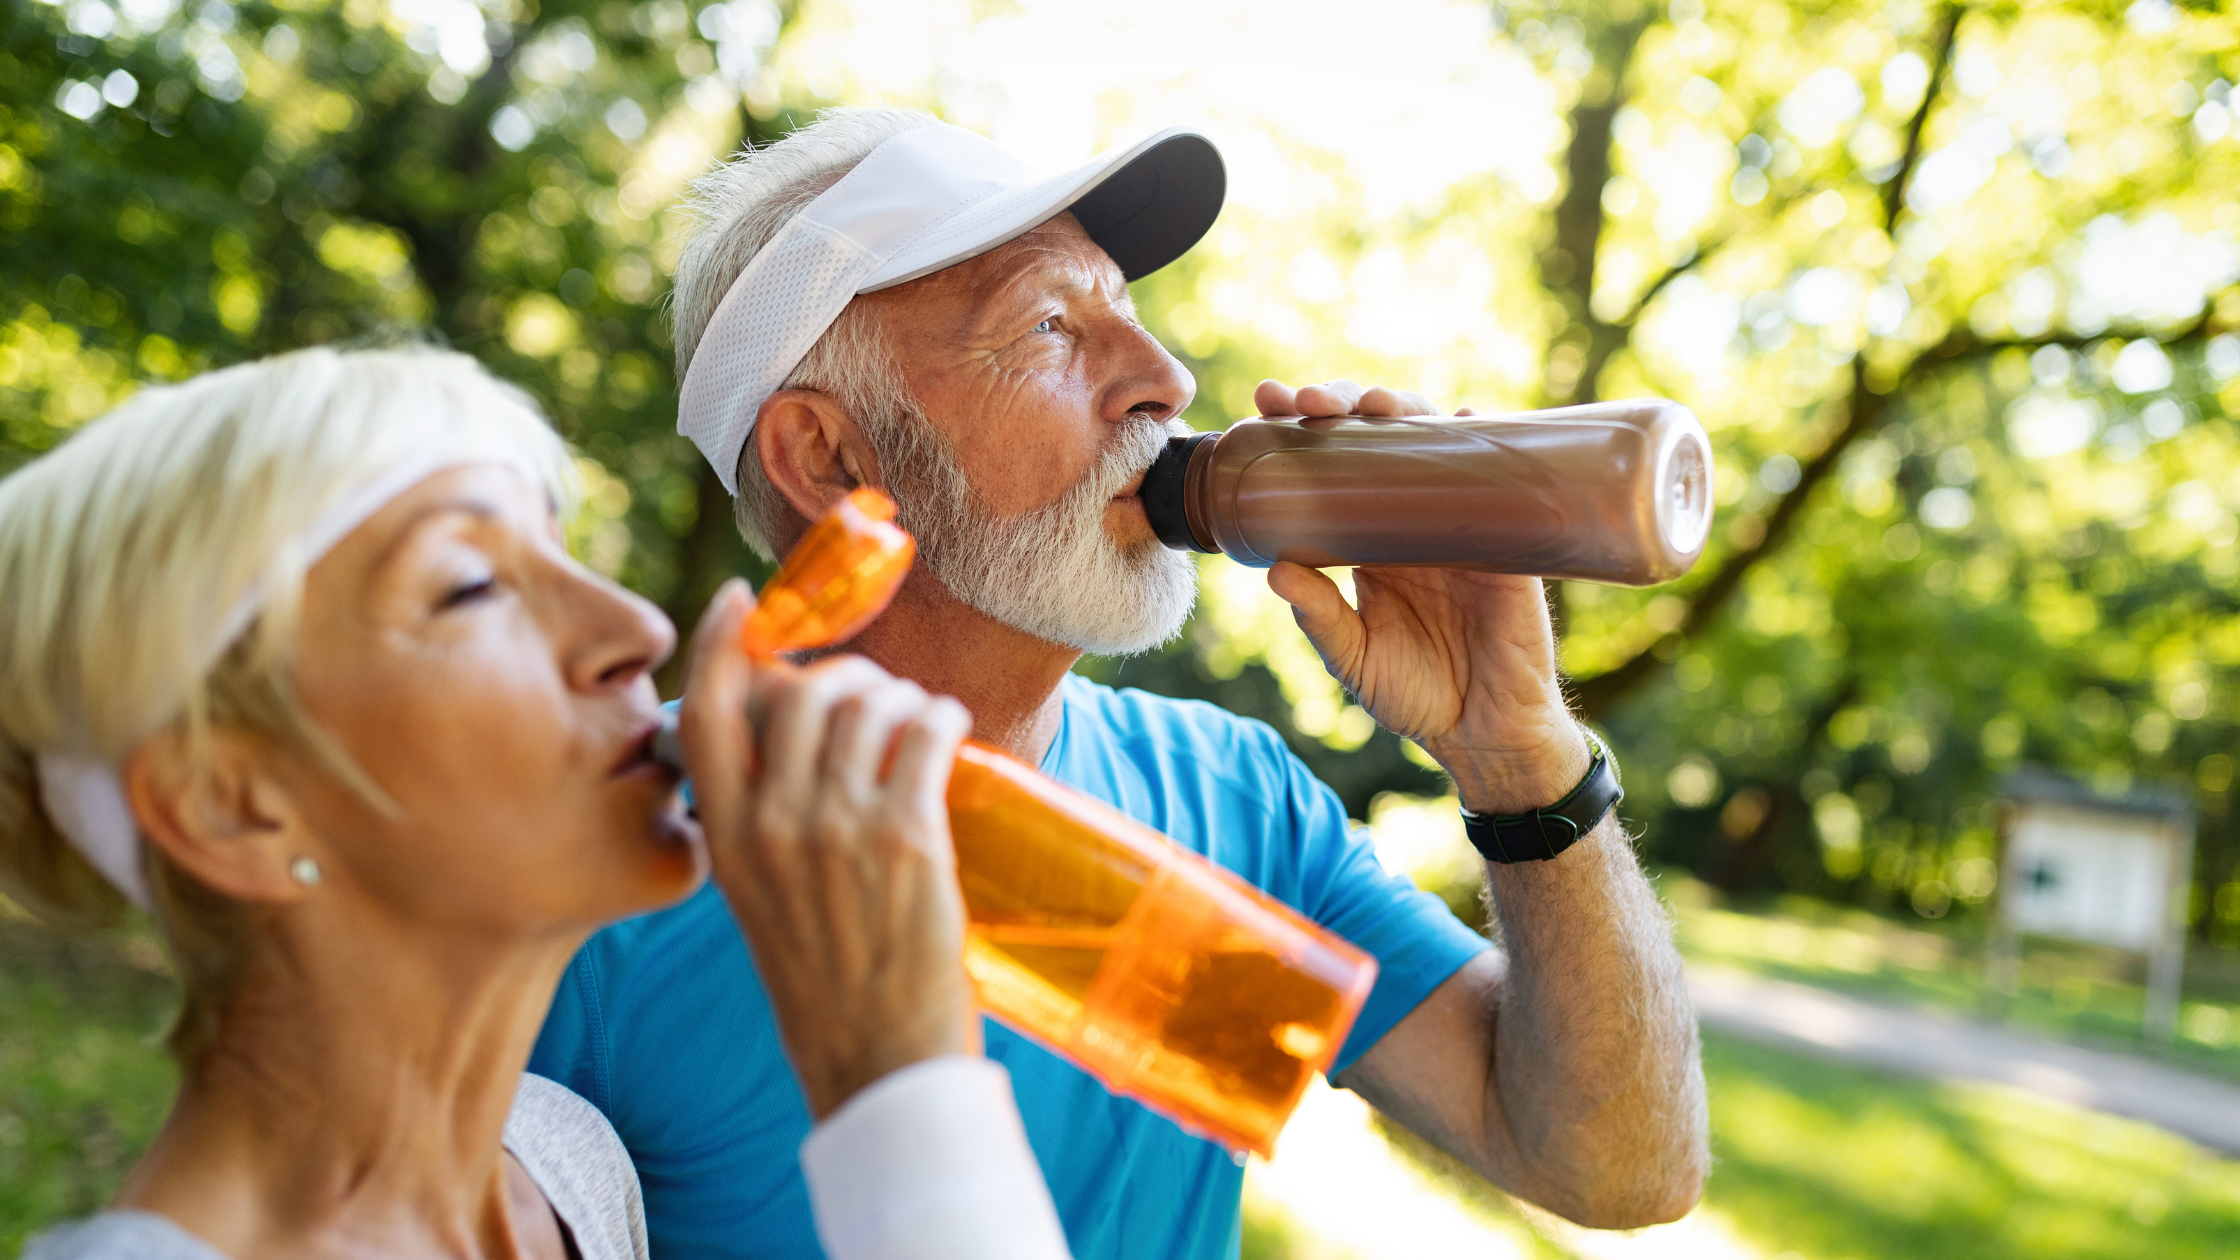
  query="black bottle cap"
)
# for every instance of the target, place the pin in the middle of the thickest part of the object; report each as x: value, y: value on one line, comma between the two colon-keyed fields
x: 1163, y: 488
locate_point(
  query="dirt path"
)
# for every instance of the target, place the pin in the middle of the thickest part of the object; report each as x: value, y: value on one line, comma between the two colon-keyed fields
x: 1927, y: 1043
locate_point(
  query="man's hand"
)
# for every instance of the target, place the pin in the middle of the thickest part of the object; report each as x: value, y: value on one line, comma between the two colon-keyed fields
x: 829, y: 835
x: 1562, y: 1067
x: 1462, y: 662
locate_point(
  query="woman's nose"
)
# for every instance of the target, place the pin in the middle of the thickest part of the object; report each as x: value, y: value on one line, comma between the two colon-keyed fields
x: 617, y: 637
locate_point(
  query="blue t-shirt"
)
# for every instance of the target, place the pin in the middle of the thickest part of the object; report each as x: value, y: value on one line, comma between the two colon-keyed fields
x: 663, y: 1024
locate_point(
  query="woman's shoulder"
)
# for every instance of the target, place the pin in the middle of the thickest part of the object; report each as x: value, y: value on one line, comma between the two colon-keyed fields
x: 568, y: 1148
x: 120, y: 1235
x: 575, y: 1157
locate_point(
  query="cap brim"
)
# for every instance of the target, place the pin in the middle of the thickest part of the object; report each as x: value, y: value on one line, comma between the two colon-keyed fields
x: 1157, y: 205
x: 1145, y: 205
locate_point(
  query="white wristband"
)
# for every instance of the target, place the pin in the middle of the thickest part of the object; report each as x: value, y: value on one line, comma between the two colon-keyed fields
x: 931, y: 1163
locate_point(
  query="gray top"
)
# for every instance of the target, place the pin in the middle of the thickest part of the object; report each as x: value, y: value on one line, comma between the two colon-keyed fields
x: 566, y: 1146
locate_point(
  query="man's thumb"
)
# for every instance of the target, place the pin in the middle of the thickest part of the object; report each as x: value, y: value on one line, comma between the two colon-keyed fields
x: 1321, y: 610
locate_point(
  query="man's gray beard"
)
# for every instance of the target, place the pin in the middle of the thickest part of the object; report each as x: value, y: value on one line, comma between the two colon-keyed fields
x: 1053, y: 572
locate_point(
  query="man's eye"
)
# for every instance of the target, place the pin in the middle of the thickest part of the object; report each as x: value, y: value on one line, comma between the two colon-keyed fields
x: 466, y: 593
x: 1048, y: 325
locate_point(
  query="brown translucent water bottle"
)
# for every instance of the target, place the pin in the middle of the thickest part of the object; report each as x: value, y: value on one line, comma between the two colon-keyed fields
x: 1610, y: 492
x: 1167, y: 978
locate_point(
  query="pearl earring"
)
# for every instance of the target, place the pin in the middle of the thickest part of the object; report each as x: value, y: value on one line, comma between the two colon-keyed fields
x: 305, y: 870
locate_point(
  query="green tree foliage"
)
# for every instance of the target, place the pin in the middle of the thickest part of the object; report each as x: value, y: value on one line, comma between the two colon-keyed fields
x: 185, y: 187
x: 1952, y: 285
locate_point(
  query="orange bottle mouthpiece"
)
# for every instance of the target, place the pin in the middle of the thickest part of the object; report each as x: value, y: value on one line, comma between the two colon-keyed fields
x: 842, y: 574
x: 1170, y: 980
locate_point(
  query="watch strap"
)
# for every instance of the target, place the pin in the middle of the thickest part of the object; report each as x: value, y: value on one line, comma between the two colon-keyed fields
x: 1545, y: 832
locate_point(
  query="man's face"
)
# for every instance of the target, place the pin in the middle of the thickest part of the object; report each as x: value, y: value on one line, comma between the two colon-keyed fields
x: 1046, y: 401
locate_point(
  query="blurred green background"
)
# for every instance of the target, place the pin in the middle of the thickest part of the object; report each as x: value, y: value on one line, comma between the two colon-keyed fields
x: 1955, y: 289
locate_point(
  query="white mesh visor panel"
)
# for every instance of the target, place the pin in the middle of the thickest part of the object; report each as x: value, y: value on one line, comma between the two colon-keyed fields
x: 928, y: 198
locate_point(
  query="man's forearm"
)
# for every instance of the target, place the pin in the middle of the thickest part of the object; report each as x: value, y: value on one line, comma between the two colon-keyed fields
x: 1595, y: 1072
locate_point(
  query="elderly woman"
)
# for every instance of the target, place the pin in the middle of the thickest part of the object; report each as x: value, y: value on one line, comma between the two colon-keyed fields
x: 297, y: 662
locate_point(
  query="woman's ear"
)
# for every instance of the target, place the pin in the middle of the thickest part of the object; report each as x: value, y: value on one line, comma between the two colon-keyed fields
x: 812, y: 450
x: 223, y: 818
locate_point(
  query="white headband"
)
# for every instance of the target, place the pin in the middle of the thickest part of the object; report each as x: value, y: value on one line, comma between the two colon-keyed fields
x: 84, y: 795
x: 923, y: 200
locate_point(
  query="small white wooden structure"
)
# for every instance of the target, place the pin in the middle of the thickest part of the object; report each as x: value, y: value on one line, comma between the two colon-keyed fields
x: 2112, y: 870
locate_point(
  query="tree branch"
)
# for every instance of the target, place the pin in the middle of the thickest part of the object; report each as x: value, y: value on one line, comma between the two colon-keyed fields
x: 1865, y: 413
x: 1744, y: 863
x: 1868, y: 410
x: 1962, y: 344
x: 1894, y: 197
x: 1567, y: 266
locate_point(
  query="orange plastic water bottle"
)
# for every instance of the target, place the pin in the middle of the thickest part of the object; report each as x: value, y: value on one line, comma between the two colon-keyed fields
x: 1167, y: 978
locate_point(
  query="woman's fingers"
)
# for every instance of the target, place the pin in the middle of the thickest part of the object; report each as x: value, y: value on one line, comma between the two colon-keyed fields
x: 794, y: 730
x: 922, y: 761
x: 863, y: 730
x: 717, y: 741
x: 840, y: 873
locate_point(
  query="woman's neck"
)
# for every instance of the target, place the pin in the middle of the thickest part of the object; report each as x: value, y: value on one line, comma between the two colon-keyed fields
x: 355, y: 1099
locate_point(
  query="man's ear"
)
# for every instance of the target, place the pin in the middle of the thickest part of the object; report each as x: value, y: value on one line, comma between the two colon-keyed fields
x: 223, y: 818
x: 812, y: 450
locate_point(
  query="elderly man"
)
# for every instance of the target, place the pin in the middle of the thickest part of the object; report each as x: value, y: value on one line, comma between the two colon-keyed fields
x: 882, y: 299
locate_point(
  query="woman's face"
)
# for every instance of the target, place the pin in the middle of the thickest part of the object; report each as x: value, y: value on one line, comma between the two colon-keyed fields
x: 501, y: 695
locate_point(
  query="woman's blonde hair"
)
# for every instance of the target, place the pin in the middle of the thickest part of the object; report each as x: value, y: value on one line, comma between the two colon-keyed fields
x: 128, y: 556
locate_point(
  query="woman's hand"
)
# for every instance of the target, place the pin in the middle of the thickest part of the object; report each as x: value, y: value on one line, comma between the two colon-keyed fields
x: 823, y: 805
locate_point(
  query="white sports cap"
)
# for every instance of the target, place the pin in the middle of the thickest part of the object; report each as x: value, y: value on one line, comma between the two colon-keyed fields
x: 923, y: 200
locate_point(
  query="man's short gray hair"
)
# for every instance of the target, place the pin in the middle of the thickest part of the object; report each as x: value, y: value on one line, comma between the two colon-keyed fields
x: 737, y: 208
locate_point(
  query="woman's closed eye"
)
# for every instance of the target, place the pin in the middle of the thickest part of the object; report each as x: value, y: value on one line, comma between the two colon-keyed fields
x: 467, y: 592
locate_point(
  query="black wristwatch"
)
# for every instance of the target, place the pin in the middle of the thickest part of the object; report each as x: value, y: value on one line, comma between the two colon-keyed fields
x: 1549, y: 830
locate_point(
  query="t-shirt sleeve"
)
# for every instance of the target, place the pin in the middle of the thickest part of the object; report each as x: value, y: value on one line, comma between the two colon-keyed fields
x: 1416, y: 940
x: 573, y: 1047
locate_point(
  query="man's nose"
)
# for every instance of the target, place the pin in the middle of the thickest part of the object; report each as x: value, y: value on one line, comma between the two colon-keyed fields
x: 1148, y: 381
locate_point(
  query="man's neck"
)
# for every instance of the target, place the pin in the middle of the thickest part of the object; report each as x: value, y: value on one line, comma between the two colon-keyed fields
x: 1007, y: 678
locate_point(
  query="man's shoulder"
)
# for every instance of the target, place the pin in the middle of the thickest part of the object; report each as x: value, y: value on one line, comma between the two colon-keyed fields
x: 1165, y: 728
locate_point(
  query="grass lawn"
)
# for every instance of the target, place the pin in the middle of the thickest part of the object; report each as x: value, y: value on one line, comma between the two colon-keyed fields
x: 1822, y: 1162
x: 2073, y: 992
x: 1836, y: 1163
x: 83, y: 1082
x: 1827, y: 1162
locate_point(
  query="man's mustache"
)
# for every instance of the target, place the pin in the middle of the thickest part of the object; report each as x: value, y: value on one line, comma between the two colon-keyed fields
x: 1134, y: 449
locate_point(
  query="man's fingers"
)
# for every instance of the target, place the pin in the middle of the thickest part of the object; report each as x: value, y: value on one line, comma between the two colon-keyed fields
x: 1379, y: 401
x: 1341, y: 398
x: 1274, y: 398
x: 1333, y: 398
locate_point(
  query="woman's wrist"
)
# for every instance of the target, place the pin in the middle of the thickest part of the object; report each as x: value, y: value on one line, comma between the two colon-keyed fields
x: 931, y: 1160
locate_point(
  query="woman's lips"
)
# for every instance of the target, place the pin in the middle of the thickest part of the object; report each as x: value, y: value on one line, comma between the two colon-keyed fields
x: 638, y: 754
